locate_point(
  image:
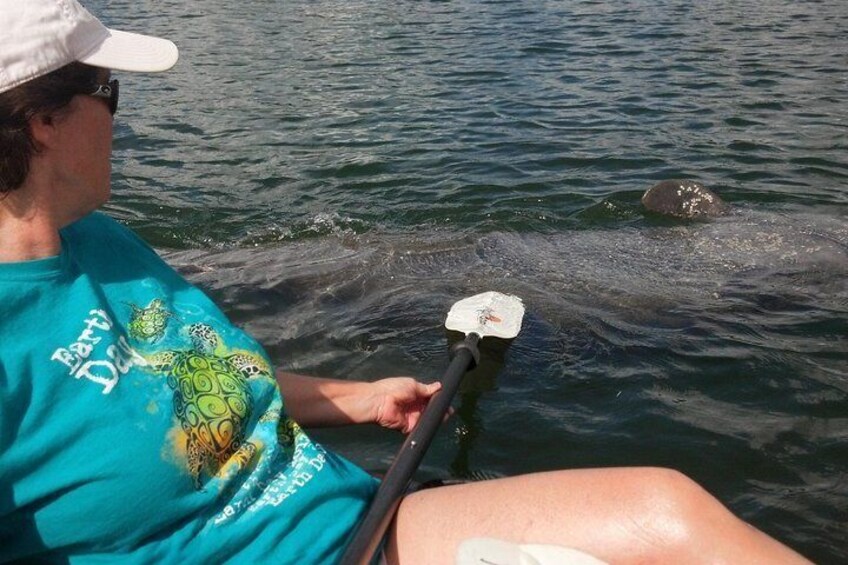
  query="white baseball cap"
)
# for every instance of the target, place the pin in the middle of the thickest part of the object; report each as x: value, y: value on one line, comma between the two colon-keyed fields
x: 39, y: 36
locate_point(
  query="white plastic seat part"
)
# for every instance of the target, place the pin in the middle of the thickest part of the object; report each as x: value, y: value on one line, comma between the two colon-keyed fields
x: 488, y: 551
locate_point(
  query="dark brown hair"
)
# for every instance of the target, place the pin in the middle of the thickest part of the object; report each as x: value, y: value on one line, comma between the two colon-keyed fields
x: 40, y: 96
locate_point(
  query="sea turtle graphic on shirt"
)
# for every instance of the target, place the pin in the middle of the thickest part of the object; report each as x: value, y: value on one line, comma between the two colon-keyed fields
x: 211, y: 399
x: 149, y: 323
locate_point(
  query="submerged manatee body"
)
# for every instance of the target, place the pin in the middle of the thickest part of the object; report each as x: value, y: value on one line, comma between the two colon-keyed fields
x: 358, y: 285
x: 683, y: 199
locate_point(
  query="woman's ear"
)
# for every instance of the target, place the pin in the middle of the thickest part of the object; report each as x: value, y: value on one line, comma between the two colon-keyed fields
x: 43, y: 129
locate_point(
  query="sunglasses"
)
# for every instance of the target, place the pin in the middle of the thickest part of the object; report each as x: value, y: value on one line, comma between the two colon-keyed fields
x: 108, y: 91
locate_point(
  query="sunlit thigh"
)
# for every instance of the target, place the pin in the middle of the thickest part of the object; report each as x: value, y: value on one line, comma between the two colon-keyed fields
x: 626, y: 515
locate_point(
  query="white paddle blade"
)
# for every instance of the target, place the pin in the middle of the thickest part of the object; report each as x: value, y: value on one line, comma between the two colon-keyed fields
x: 487, y: 314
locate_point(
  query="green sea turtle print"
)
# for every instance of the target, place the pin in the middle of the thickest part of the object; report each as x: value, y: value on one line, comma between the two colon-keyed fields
x: 250, y: 365
x: 212, y: 401
x: 148, y: 324
x: 287, y: 433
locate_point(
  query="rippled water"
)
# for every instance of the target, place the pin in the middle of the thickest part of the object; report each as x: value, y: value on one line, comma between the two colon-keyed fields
x: 337, y: 174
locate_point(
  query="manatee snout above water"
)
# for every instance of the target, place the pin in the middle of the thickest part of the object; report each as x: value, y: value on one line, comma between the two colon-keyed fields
x: 683, y: 199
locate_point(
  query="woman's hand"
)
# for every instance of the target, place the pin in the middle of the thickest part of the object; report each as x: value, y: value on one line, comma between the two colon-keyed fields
x: 399, y: 402
x: 395, y: 402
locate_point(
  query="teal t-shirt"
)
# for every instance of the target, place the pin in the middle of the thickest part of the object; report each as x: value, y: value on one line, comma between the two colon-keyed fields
x: 139, y: 426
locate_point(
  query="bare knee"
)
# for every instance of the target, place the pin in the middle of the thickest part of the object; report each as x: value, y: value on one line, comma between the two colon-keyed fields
x: 623, y: 515
x: 674, y: 513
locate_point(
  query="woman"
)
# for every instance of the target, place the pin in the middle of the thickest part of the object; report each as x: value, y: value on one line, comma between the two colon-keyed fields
x: 139, y: 425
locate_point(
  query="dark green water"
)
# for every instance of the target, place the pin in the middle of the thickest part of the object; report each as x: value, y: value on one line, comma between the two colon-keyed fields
x: 337, y: 174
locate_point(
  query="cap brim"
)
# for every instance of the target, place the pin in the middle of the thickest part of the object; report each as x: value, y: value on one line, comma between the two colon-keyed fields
x: 124, y: 51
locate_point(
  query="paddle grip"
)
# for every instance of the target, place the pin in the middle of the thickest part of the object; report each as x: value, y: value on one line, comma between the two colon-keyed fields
x: 396, y: 481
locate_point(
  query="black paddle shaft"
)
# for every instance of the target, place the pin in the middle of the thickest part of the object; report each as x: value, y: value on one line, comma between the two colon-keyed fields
x: 396, y: 480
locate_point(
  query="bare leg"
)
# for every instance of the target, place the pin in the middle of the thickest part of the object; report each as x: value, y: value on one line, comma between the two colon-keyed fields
x: 625, y: 515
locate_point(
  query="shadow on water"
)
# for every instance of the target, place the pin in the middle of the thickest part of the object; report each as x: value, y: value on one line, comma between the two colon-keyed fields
x: 480, y: 380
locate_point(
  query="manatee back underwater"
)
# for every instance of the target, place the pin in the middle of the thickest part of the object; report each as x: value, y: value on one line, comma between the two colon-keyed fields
x: 337, y: 174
